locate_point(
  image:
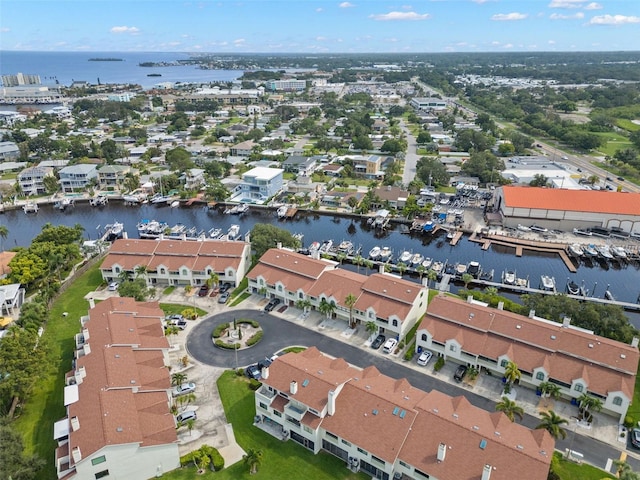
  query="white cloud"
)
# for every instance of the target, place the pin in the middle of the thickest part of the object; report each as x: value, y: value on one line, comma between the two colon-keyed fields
x: 346, y: 5
x: 508, y: 45
x: 125, y: 29
x: 593, y: 6
x: 614, y: 20
x: 319, y: 9
x: 239, y: 42
x: 5, y: 29
x: 566, y: 3
x: 321, y: 39
x: 502, y: 17
x: 551, y: 42
x: 559, y: 16
x: 384, y: 17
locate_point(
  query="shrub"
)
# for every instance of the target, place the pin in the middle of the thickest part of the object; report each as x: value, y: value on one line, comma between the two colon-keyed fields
x: 217, y: 462
x: 239, y: 372
x: 629, y: 422
x: 411, y: 351
x: 248, y: 321
x: 439, y: 364
x: 217, y: 332
x: 255, y: 338
x: 254, y: 384
x: 227, y: 346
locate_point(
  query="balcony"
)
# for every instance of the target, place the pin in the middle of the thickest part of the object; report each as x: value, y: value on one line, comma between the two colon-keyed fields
x: 294, y: 411
x: 266, y: 394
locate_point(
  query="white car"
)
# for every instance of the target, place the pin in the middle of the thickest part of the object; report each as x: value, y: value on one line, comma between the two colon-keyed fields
x: 390, y: 345
x: 113, y: 286
x: 424, y: 358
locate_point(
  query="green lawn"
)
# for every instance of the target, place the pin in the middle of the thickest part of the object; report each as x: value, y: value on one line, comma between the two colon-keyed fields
x: 568, y: 470
x: 628, y: 125
x: 614, y: 141
x: 171, y: 308
x: 45, y: 405
x: 634, y: 408
x: 280, y: 460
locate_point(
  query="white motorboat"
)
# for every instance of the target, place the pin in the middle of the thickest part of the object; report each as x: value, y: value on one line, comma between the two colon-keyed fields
x: 282, y: 211
x: 586, y: 233
x: 314, y: 247
x: 604, y: 252
x: 619, y: 252
x: 114, y: 231
x: 374, y: 253
x: 242, y: 208
x: 473, y: 269
x: 175, y: 204
x: 547, y: 283
x: 539, y: 229
x: 509, y: 277
x: 417, y: 259
x: 590, y: 250
x: 234, y: 232
x: 572, y: 287
x: 345, y: 247
x: 99, y: 201
x: 576, y: 250
x: 461, y: 269
x: 385, y: 254
x: 523, y: 228
x: 427, y: 262
x: 437, y: 267
x: 215, y: 232
x: 30, y: 207
x: 405, y: 257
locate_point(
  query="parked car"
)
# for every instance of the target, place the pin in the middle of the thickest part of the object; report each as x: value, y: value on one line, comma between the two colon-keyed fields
x: 224, y: 287
x: 183, y: 389
x: 186, y: 416
x: 253, y: 371
x: 377, y: 343
x: 460, y: 373
x: 224, y: 297
x: 635, y: 437
x: 175, y: 320
x: 204, y: 290
x: 113, y: 286
x: 272, y: 304
x: 424, y: 357
x: 390, y: 345
x: 621, y: 179
x: 265, y: 363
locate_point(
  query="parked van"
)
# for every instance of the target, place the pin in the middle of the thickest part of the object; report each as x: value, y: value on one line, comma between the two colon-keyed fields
x: 186, y: 416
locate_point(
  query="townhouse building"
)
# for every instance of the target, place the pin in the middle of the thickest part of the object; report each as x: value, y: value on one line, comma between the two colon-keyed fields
x: 77, y: 177
x: 112, y: 177
x: 387, y: 428
x: 118, y: 422
x: 31, y: 179
x: 575, y: 359
x: 177, y: 262
x: 393, y: 304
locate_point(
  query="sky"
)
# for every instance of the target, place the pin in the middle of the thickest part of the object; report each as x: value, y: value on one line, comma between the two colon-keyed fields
x: 319, y: 26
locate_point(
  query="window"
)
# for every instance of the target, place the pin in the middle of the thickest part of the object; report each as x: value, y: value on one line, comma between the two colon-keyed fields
x: 331, y: 435
x: 103, y: 473
x: 364, y: 452
x: 503, y: 363
x: 377, y: 460
x: 98, y: 460
x: 453, y: 348
x: 185, y: 272
x: 579, y: 387
x: 617, y: 401
x: 395, y: 323
x: 277, y: 413
x: 263, y: 406
x: 279, y: 288
x: 424, y: 337
x: 307, y: 429
x: 404, y: 464
x: 163, y: 271
x: 540, y: 376
x: 117, y: 269
x: 345, y: 442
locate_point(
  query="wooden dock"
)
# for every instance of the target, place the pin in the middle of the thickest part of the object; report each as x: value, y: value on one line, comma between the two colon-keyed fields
x: 291, y: 212
x: 456, y: 238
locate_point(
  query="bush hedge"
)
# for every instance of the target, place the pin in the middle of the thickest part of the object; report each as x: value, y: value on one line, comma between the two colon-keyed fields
x: 217, y: 332
x: 217, y: 461
x: 255, y: 338
x: 227, y: 346
x: 253, y: 323
x: 439, y: 364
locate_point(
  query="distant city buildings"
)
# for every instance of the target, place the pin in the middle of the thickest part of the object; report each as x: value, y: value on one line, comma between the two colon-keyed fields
x: 20, y: 79
x: 291, y: 85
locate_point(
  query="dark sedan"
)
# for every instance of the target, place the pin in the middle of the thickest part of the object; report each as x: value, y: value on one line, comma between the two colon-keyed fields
x: 377, y: 343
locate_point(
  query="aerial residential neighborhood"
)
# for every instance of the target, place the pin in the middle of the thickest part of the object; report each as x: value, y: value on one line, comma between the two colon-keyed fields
x: 348, y: 267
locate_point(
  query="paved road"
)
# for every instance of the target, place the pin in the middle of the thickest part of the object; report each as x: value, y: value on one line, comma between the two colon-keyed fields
x: 279, y: 333
x: 411, y: 157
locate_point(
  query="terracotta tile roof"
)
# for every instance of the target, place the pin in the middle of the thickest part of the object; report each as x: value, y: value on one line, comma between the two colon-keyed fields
x: 388, y: 295
x: 393, y: 420
x: 473, y: 438
x: 338, y: 284
x: 127, y: 262
x: 573, y: 200
x: 566, y: 353
x: 293, y: 270
x: 123, y: 397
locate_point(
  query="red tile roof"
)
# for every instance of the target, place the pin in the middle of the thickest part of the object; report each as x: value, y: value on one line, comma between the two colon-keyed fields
x: 573, y: 200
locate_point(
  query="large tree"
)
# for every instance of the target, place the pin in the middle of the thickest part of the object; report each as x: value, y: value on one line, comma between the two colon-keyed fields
x: 552, y: 423
x: 432, y: 172
x: 14, y: 463
x: 265, y: 236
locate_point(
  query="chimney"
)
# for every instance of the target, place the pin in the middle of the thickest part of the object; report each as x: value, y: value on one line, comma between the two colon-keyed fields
x: 331, y: 402
x: 486, y: 472
x: 442, y: 452
x: 532, y: 313
x: 279, y: 245
x: 500, y: 305
x: 265, y: 372
x: 381, y: 268
x: 76, y: 454
x: 92, y: 303
x: 469, y: 298
x: 293, y: 387
x: 566, y: 321
x: 634, y: 342
x: 75, y: 424
x: 125, y: 235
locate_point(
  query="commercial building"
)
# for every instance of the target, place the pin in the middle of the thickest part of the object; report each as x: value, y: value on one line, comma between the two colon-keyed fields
x: 20, y: 79
x: 118, y: 422
x: 387, y: 428
x: 575, y: 359
x: 565, y: 210
x: 291, y: 85
x: 393, y: 304
x: 177, y: 262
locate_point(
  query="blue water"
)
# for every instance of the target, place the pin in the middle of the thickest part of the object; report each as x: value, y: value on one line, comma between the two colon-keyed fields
x: 66, y: 67
x: 622, y: 280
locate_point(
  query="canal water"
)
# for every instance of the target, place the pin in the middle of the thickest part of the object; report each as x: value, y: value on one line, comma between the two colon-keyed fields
x: 621, y: 280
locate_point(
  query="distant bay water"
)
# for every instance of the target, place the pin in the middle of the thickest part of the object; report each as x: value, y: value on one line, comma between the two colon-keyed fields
x: 67, y: 67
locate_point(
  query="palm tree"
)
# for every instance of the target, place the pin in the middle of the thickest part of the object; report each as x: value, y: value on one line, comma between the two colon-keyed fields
x: 624, y: 471
x: 402, y: 267
x: 303, y: 304
x: 369, y: 263
x: 467, y: 278
x: 432, y: 276
x: 326, y: 308
x: 177, y: 379
x: 549, y: 390
x: 372, y: 327
x: 359, y: 261
x: 140, y: 270
x: 4, y: 232
x: 213, y: 279
x: 350, y: 301
x: 511, y: 372
x: 589, y: 402
x: 552, y: 423
x: 421, y: 271
x: 510, y: 408
x: 253, y: 459
x: 170, y: 331
x: 341, y: 256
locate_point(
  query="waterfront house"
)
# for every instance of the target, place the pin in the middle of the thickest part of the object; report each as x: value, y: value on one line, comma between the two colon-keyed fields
x: 77, y: 177
x: 112, y: 177
x: 9, y: 151
x: 193, y: 178
x: 575, y: 359
x: 243, y: 149
x: 387, y: 428
x: 259, y: 184
x: 177, y: 262
x: 367, y: 166
x: 390, y: 197
x: 31, y: 180
x: 118, y: 422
